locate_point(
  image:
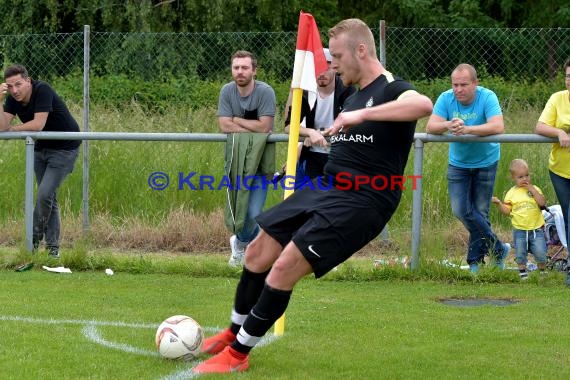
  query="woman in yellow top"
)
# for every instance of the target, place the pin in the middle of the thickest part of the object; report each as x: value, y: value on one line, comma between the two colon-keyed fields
x: 555, y: 122
x: 523, y: 203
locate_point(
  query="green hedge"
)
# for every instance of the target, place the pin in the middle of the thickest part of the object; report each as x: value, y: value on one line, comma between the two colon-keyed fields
x: 118, y: 90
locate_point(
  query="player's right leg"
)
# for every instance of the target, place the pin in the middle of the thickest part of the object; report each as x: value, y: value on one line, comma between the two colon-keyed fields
x: 260, y: 256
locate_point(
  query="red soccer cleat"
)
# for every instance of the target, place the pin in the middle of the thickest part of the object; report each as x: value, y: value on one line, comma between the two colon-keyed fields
x: 218, y: 342
x: 227, y: 361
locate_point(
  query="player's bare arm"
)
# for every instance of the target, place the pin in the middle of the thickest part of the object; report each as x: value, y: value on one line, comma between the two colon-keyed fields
x: 410, y: 106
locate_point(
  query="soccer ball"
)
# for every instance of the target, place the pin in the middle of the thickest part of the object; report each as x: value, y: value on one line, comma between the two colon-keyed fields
x: 179, y: 337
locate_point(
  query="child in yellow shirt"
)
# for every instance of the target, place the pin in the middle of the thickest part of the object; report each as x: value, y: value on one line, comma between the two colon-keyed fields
x: 523, y: 203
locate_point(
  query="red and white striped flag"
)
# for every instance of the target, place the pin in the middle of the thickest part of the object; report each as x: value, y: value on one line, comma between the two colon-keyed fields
x: 310, y: 58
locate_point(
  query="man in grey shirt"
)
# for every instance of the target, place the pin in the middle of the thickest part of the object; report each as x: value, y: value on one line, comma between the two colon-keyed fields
x: 246, y: 105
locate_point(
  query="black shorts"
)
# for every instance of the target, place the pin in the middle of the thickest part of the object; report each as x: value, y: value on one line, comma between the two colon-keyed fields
x: 328, y: 226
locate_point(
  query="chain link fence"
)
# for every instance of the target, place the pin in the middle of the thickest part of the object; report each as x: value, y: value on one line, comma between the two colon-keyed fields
x: 508, y: 53
x: 414, y: 53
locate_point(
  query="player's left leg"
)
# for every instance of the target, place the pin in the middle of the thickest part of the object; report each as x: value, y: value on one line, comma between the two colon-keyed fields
x: 260, y: 255
x: 289, y: 268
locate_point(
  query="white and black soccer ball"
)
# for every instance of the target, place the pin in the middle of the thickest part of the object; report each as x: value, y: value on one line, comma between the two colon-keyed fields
x: 179, y: 337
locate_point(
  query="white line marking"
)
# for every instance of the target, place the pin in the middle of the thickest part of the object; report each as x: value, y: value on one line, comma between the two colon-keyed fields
x: 89, y: 322
x: 182, y: 375
x: 77, y: 322
x: 92, y: 334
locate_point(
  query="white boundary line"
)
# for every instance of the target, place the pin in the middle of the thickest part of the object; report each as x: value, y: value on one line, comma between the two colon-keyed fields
x: 76, y: 322
x: 91, y: 332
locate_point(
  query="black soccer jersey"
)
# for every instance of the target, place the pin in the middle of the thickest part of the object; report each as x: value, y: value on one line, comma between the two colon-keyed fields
x: 374, y: 148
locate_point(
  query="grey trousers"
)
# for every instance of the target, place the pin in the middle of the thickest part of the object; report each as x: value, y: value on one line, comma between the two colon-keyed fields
x: 51, y: 166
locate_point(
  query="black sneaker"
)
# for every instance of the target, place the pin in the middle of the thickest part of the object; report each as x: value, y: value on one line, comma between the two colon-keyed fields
x: 24, y: 267
x: 53, y: 252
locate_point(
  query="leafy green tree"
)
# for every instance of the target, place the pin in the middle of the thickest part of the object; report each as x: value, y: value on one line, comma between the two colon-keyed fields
x: 65, y: 16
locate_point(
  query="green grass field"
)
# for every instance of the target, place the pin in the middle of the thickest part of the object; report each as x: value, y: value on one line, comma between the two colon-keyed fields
x: 357, y: 323
x: 87, y: 325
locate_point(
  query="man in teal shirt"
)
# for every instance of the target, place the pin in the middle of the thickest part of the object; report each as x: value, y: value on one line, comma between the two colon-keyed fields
x: 469, y: 109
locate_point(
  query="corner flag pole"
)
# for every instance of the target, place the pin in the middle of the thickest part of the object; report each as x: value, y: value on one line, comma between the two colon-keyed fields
x: 309, y: 62
x: 292, y: 147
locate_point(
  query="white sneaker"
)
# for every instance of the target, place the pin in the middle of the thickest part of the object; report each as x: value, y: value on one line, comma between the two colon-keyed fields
x: 236, y: 259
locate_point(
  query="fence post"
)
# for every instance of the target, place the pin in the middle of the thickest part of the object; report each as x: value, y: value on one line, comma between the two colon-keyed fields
x: 29, y: 194
x: 417, y: 203
x: 382, y: 42
x: 86, y: 63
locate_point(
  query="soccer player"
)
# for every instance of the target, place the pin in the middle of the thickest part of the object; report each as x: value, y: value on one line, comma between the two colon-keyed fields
x: 313, y: 231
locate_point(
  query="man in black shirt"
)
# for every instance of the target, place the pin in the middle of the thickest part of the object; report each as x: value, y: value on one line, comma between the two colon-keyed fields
x: 314, y: 230
x: 39, y: 108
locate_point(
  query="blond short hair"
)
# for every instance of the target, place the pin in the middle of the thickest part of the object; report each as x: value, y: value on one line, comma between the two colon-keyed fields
x: 469, y: 68
x: 517, y: 163
x: 357, y: 32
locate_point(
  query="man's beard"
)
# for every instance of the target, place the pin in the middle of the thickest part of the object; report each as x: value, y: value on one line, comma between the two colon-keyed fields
x: 243, y: 82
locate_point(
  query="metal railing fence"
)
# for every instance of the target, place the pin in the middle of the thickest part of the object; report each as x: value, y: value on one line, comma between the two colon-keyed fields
x: 419, y: 140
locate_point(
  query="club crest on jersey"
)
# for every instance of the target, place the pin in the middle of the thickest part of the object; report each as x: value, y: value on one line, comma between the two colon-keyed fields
x: 370, y: 102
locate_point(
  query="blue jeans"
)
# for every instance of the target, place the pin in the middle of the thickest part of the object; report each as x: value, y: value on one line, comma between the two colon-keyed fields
x: 562, y: 189
x: 257, y: 198
x: 470, y: 192
x: 533, y: 241
x: 51, y: 166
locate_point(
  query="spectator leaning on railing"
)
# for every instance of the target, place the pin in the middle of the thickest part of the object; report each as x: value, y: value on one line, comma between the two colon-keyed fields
x: 465, y: 109
x: 554, y: 121
x: 246, y: 112
x: 39, y: 108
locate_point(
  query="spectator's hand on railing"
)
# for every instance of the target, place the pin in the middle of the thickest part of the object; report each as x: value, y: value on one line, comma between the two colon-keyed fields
x: 564, y: 139
x: 457, y: 127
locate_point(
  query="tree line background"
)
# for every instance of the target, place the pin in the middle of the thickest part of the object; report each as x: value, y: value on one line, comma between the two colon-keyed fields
x: 67, y: 16
x: 176, y: 52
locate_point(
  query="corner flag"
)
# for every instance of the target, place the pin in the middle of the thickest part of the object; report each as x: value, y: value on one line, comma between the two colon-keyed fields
x: 310, y: 62
x: 310, y: 58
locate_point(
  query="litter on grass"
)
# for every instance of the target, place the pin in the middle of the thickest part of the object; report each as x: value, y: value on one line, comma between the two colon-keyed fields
x: 57, y: 269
